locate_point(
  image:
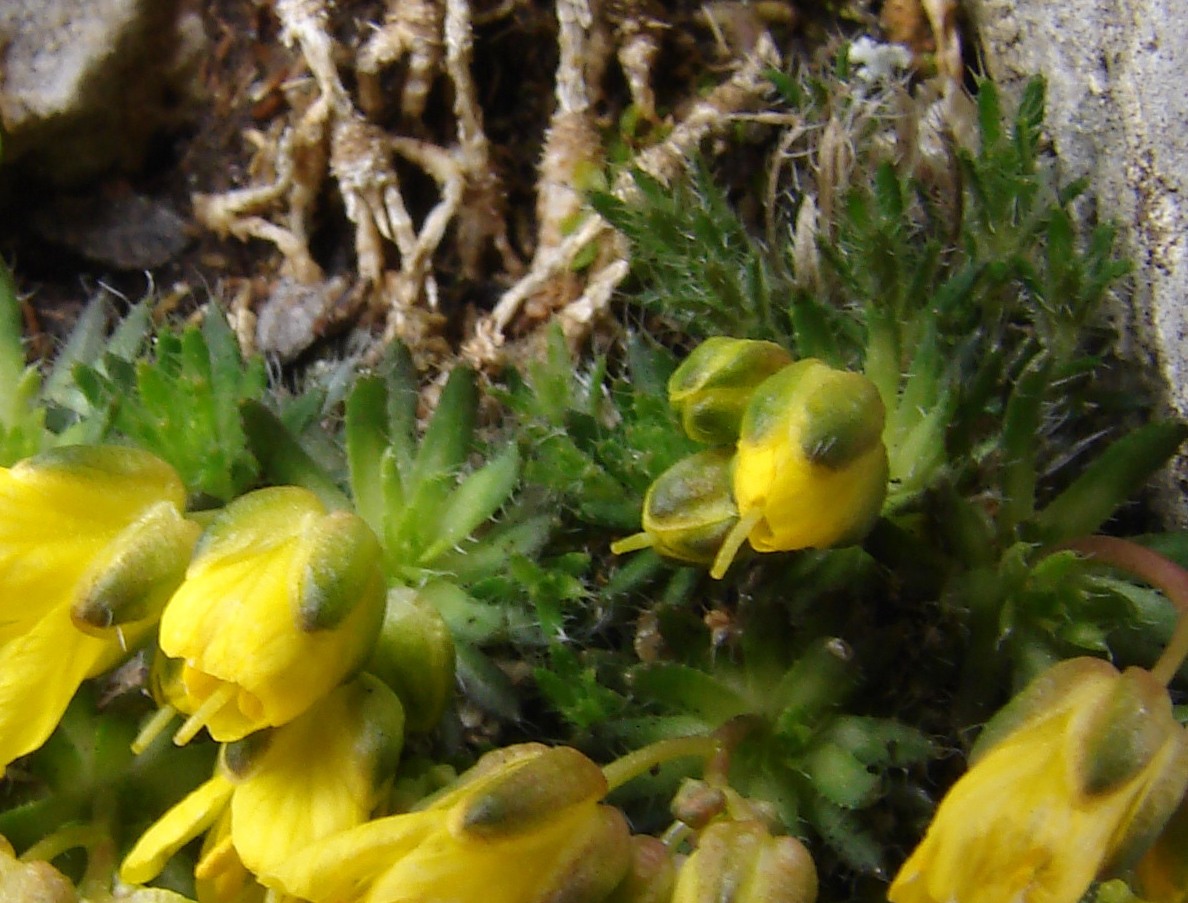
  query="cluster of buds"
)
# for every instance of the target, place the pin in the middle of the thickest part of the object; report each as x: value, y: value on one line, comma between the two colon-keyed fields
x: 796, y: 457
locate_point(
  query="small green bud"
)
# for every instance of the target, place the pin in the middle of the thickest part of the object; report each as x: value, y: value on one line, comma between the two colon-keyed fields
x: 711, y: 389
x: 688, y: 510
x: 414, y: 655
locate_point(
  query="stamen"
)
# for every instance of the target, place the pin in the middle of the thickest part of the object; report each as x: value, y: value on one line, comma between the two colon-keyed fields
x: 214, y: 703
x: 734, y: 539
x: 632, y: 543
x: 154, y: 726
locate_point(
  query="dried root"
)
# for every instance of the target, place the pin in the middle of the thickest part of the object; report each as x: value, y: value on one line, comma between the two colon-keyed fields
x: 334, y: 136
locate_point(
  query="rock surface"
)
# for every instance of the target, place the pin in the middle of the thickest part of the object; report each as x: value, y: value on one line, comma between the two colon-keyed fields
x: 82, y: 81
x: 1118, y: 115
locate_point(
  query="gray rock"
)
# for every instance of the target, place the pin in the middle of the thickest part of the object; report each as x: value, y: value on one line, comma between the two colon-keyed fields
x: 82, y: 81
x: 1118, y: 115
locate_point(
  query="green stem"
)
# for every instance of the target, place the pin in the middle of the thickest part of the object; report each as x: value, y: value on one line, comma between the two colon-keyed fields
x: 1165, y: 575
x: 632, y: 765
x: 65, y: 838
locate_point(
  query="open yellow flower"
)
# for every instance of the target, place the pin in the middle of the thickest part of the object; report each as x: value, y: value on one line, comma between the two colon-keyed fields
x: 1070, y: 782
x: 281, y: 602
x: 280, y: 790
x: 810, y: 469
x: 525, y: 825
x: 92, y: 542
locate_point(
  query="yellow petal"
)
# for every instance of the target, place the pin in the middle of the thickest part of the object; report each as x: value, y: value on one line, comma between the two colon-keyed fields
x: 175, y: 829
x: 341, y: 867
x: 308, y: 783
x: 39, y: 674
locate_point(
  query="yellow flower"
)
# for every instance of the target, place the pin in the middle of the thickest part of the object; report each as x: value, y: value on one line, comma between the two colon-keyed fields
x: 811, y: 467
x: 1069, y: 783
x: 741, y: 861
x: 523, y: 826
x: 92, y: 542
x: 280, y: 790
x: 281, y: 602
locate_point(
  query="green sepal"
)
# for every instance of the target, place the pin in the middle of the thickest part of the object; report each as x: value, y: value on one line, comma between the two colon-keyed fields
x: 844, y: 418
x: 380, y: 720
x: 342, y: 567
x: 768, y: 407
x: 241, y: 757
x: 146, y: 564
x: 1126, y: 733
x: 531, y: 794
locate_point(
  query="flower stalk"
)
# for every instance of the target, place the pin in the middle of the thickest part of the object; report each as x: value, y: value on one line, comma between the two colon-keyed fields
x: 1162, y: 573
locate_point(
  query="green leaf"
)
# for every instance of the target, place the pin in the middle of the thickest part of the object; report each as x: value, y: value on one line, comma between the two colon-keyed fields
x: 839, y: 777
x: 366, y: 439
x: 575, y: 690
x: 474, y: 502
x: 1108, y: 481
x: 690, y: 690
x: 1020, y: 444
x: 283, y: 460
x: 448, y: 437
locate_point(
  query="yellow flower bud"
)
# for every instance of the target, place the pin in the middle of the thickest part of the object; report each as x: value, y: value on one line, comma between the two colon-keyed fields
x: 281, y: 602
x: 711, y: 388
x: 811, y: 467
x: 523, y: 826
x: 741, y: 861
x: 1069, y: 783
x: 92, y: 543
x: 688, y: 510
